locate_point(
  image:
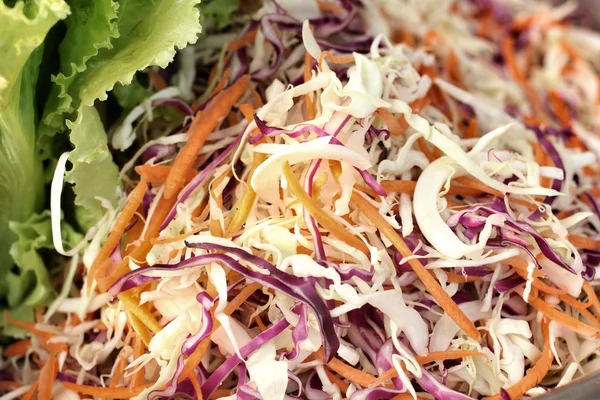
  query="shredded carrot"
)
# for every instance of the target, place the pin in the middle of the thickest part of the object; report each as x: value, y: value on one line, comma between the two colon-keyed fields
x: 560, y: 317
x: 535, y: 374
x: 138, y: 350
x: 447, y: 304
x: 259, y: 323
x: 241, y: 297
x: 9, y: 385
x: 334, y: 227
x: 560, y: 108
x: 582, y: 242
x: 119, y: 370
x: 31, y: 392
x: 334, y: 379
x: 326, y: 6
x: 453, y: 277
x: 157, y: 80
x: 353, y: 375
x: 28, y: 326
x: 256, y: 98
x: 472, y: 131
x: 134, y: 201
x: 431, y: 156
x: 217, y: 109
x: 106, y: 392
x: 453, y: 68
x: 197, y: 388
x: 395, y: 126
x: 157, y: 173
x: 17, y: 349
x: 47, y: 377
x: 244, y: 41
x: 476, y: 184
x: 581, y: 309
x: 335, y: 59
x: 508, y: 51
x: 222, y: 82
x: 399, y: 186
x: 310, y: 105
x: 592, y: 296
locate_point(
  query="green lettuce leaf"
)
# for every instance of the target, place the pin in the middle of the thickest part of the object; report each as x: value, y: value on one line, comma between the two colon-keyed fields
x: 22, y: 31
x: 28, y: 282
x: 145, y: 33
x: 220, y: 12
x: 90, y: 27
x: 93, y: 173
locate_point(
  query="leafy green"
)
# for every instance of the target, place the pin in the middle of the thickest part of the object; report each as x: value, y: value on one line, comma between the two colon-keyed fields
x: 129, y: 96
x: 219, y: 11
x: 28, y: 283
x: 93, y: 174
x: 22, y: 31
x: 144, y: 33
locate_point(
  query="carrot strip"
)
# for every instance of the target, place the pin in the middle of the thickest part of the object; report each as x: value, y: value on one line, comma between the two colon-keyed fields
x: 213, y: 114
x: 335, y: 59
x: 157, y: 80
x: 197, y: 388
x: 256, y: 99
x: 244, y: 41
x: 425, y: 149
x: 138, y: 350
x: 535, y: 374
x: 326, y: 6
x: 106, y: 392
x: 134, y: 201
x: 582, y: 242
x: 453, y: 68
x: 592, y: 296
x: 9, y: 385
x: 475, y: 184
x: 157, y: 173
x: 47, y: 377
x: 222, y: 82
x: 334, y: 227
x: 241, y: 297
x: 447, y: 304
x: 17, y: 349
x: 28, y: 326
x: 560, y: 317
x: 396, y: 127
x: 259, y: 323
x: 334, y: 379
x: 560, y: 108
x: 453, y: 277
x: 352, y: 374
x: 473, y: 129
x: 310, y: 105
x: 29, y: 394
x: 508, y: 51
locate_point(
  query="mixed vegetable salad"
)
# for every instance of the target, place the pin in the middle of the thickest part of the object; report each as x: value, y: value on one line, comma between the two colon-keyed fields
x: 320, y: 199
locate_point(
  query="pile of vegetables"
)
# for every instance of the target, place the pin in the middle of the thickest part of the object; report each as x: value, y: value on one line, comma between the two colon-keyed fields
x: 359, y: 199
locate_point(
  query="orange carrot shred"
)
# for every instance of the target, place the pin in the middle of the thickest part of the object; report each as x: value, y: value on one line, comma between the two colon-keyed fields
x: 562, y: 318
x: 9, y: 385
x: 560, y: 108
x: 354, y: 375
x: 222, y: 82
x: 30, y: 393
x: 105, y: 392
x: 244, y: 41
x: 157, y: 80
x: 18, y: 348
x: 326, y: 6
x: 340, y: 383
x: 217, y: 109
x: 134, y: 201
x: 443, y: 299
x: 582, y: 242
x: 335, y: 228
